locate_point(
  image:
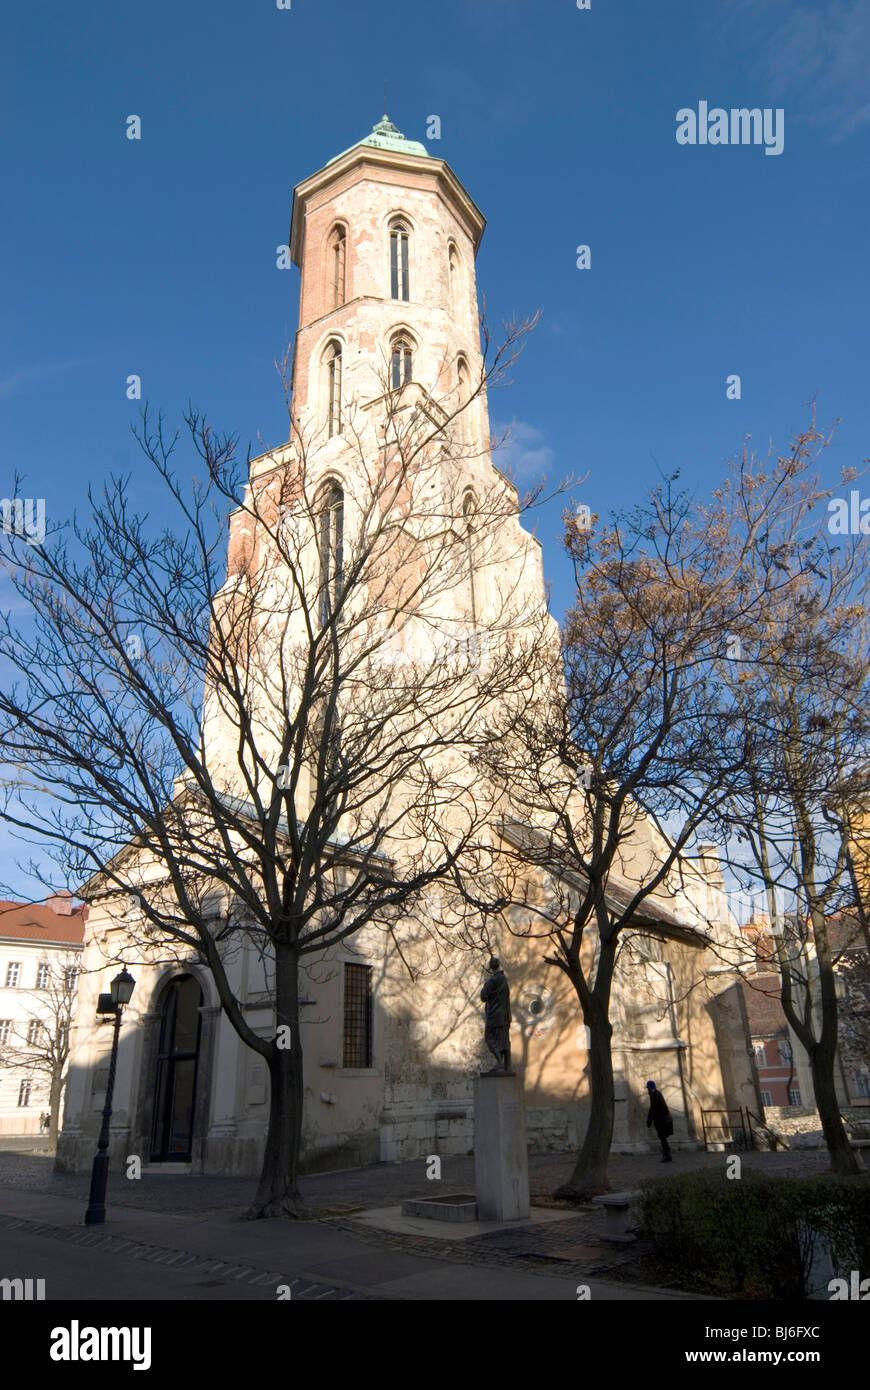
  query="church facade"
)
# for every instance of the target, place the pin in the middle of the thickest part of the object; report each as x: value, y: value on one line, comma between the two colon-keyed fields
x: 385, y: 237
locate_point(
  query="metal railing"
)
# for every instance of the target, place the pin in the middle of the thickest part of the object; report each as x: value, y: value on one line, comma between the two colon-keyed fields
x: 725, y: 1130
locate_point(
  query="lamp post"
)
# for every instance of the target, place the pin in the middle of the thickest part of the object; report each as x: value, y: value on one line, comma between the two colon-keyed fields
x: 113, y: 1003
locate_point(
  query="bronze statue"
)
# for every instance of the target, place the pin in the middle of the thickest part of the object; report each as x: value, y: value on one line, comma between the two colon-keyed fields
x: 496, y: 995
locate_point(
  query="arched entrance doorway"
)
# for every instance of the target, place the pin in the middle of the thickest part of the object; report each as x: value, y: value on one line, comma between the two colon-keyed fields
x: 175, y: 1081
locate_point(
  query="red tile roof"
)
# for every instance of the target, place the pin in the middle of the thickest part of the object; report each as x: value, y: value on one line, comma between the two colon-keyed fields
x: 764, y: 1006
x: 845, y: 933
x: 39, y: 922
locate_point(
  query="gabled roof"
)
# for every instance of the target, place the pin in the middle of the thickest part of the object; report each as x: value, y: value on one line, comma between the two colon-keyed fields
x: 186, y: 789
x: 651, y: 916
x: 37, y: 922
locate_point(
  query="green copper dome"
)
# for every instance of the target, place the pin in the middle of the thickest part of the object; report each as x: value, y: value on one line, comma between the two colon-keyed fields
x: 385, y: 136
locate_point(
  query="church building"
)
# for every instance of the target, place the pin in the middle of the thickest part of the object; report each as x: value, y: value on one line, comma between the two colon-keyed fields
x: 385, y: 237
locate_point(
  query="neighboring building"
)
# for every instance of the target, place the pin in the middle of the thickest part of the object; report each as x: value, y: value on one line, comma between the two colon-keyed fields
x: 784, y: 1073
x: 848, y: 941
x: 38, y: 943
x: 386, y: 238
x: 852, y: 937
x: 771, y: 1042
x: 859, y: 851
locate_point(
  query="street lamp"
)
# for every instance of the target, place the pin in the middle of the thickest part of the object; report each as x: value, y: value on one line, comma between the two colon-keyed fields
x: 113, y: 1003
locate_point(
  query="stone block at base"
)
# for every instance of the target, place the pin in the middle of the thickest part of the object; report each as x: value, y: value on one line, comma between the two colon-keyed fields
x: 458, y: 1206
x: 617, y: 1206
x: 501, y: 1165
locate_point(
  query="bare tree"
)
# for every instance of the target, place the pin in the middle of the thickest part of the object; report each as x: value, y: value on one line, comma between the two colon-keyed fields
x: 274, y: 751
x: 611, y: 783
x: 801, y: 695
x: 617, y: 779
x: 40, y: 1047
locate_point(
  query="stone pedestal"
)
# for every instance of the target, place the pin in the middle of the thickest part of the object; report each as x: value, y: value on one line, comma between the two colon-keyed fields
x: 501, y: 1165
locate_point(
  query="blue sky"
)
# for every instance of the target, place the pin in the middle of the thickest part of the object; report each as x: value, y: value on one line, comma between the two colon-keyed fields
x: 157, y: 257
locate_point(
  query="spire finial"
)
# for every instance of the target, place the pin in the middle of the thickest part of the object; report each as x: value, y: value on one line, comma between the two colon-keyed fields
x: 385, y: 98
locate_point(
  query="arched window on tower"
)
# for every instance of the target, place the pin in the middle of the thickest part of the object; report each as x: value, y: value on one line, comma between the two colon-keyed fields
x: 332, y: 364
x: 331, y: 548
x: 453, y: 278
x: 468, y: 509
x: 326, y: 765
x: 399, y: 256
x: 336, y: 265
x: 463, y: 396
x: 401, y: 363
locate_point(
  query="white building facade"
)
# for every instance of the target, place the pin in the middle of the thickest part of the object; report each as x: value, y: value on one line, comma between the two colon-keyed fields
x: 39, y: 944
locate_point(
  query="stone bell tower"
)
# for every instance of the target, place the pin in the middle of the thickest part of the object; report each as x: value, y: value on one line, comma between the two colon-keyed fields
x: 385, y: 238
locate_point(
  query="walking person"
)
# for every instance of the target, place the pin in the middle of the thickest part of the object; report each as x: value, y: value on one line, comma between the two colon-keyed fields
x: 660, y: 1116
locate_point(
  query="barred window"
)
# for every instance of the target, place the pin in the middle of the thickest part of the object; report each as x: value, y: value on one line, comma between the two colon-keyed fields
x: 24, y: 1093
x: 5, y: 1030
x: 34, y: 1032
x: 766, y: 1098
x: 357, y: 1015
x: 13, y: 974
x: 794, y: 1097
x: 42, y: 976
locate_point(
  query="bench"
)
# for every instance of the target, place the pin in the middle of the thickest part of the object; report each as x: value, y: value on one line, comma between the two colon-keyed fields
x: 616, y: 1208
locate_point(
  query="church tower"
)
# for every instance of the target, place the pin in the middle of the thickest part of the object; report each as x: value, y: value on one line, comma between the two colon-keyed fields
x: 385, y: 237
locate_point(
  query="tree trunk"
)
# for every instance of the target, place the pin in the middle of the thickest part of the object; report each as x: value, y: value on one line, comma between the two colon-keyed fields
x: 55, y: 1095
x: 844, y: 1159
x: 278, y: 1191
x: 590, y: 1173
x: 822, y: 1054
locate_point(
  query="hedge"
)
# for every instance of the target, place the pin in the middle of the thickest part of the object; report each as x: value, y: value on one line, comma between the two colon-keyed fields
x: 752, y: 1237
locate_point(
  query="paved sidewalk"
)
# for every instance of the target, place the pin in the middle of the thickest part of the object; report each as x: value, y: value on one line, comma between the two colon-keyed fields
x: 379, y: 1185
x: 567, y: 1249
x: 259, y: 1255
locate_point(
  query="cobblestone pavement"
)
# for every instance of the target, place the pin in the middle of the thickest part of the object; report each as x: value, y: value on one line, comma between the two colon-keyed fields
x: 380, y: 1185
x: 211, y: 1267
x: 571, y: 1246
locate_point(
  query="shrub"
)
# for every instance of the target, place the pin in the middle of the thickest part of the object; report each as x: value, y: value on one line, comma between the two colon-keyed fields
x: 753, y: 1237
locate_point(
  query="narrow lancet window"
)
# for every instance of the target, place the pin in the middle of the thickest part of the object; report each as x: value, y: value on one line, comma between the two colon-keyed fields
x: 337, y: 264
x: 333, y: 388
x: 402, y: 363
x: 399, y: 277
x: 331, y: 546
